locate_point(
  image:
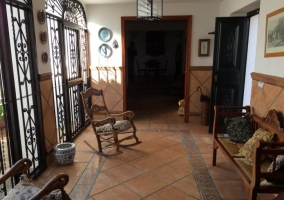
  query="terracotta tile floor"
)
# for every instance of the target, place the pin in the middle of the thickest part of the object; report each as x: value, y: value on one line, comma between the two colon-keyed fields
x: 158, y: 168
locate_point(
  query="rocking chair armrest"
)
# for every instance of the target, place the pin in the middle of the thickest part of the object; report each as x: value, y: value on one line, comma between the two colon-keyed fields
x: 22, y: 166
x: 57, y: 182
x: 108, y: 120
x: 129, y: 114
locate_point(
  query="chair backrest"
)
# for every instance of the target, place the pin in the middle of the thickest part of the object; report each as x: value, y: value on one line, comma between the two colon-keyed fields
x: 137, y: 64
x: 152, y: 64
x: 94, y: 102
x: 166, y: 64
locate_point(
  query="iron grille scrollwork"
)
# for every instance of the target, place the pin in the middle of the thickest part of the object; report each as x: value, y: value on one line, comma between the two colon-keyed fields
x: 70, y: 10
x: 68, y: 44
x: 23, y: 134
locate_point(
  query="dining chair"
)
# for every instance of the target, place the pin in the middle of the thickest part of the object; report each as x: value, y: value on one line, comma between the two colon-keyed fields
x: 108, y: 126
x: 141, y: 71
x: 162, y: 71
x: 152, y: 68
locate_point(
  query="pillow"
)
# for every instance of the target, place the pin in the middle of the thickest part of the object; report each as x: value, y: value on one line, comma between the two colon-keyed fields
x: 279, y: 167
x: 239, y: 128
x: 248, y: 148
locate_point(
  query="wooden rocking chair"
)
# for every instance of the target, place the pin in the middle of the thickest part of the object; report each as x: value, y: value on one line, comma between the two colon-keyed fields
x: 108, y: 128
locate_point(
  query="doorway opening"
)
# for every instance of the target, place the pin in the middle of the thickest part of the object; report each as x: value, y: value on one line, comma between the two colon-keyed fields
x: 154, y: 86
x: 252, y: 42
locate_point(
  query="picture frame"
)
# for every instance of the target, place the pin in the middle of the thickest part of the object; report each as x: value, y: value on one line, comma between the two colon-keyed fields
x: 274, y: 43
x: 204, y: 47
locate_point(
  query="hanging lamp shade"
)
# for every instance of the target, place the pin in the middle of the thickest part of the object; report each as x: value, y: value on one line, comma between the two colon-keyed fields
x: 149, y: 10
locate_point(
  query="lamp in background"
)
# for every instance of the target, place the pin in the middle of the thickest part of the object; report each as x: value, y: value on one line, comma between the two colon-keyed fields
x: 149, y: 10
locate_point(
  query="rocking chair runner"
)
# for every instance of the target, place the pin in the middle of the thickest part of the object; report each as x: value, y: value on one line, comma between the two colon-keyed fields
x: 107, y: 129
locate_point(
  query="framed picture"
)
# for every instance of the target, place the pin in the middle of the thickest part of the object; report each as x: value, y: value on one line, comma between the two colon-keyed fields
x: 204, y: 47
x: 274, y: 40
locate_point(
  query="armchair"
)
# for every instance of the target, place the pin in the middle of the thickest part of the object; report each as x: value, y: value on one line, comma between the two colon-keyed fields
x: 108, y: 128
x: 28, y: 189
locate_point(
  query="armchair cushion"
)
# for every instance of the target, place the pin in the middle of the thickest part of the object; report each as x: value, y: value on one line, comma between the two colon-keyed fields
x: 27, y: 188
x: 120, y: 126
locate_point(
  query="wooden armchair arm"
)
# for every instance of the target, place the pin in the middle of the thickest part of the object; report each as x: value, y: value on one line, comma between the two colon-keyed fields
x: 265, y: 148
x: 108, y: 120
x: 57, y: 182
x: 22, y: 166
x: 128, y: 114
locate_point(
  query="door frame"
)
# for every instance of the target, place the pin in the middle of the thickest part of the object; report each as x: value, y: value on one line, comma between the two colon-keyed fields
x: 187, y: 18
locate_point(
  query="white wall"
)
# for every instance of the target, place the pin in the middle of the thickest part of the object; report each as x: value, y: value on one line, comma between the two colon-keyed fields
x: 109, y: 16
x: 227, y: 7
x: 267, y: 65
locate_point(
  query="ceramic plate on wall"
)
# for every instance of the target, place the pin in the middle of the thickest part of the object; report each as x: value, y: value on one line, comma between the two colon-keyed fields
x: 105, y: 50
x: 43, y: 37
x: 104, y: 34
x: 44, y: 57
x: 41, y: 16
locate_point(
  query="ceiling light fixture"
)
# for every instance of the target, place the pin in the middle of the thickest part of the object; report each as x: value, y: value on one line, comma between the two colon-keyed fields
x: 149, y: 10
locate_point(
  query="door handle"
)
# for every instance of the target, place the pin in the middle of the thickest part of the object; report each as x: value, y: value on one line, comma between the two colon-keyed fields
x: 215, y: 78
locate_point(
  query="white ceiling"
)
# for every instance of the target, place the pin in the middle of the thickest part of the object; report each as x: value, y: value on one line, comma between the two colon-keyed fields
x: 133, y: 1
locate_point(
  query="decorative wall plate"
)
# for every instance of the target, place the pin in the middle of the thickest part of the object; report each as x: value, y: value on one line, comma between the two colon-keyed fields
x: 41, y: 16
x: 44, y: 57
x: 43, y: 37
x: 104, y: 34
x: 114, y: 44
x: 105, y: 50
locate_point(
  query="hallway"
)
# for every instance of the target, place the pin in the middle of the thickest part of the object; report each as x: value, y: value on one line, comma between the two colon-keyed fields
x: 161, y: 167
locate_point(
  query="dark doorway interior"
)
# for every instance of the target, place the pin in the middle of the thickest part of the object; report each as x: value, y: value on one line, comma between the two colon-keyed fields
x: 154, y: 86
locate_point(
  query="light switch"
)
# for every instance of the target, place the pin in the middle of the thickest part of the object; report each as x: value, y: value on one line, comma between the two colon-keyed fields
x: 260, y: 84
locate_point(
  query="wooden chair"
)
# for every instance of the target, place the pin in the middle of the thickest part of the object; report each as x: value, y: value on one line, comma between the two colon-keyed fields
x: 162, y: 71
x: 141, y: 71
x: 30, y: 189
x: 106, y: 127
x: 152, y: 68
